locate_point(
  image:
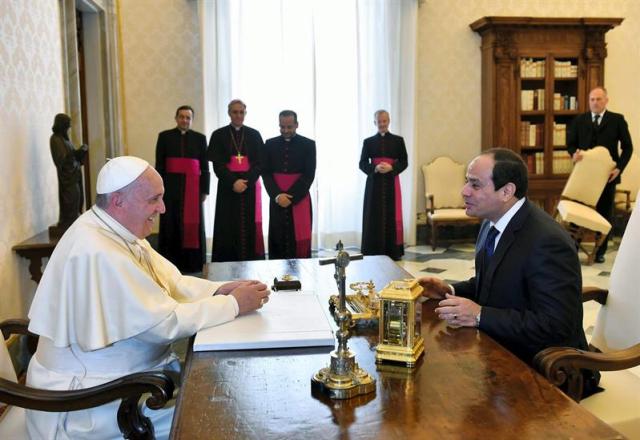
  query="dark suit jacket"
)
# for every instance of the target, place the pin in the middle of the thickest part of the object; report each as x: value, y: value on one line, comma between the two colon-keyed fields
x: 611, y: 130
x: 531, y: 291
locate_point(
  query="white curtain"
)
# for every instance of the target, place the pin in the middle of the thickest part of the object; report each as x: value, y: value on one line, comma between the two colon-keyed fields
x: 334, y: 62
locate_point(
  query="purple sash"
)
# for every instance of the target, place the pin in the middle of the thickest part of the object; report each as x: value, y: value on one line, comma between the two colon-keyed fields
x: 301, y: 212
x: 191, y: 200
x: 242, y: 166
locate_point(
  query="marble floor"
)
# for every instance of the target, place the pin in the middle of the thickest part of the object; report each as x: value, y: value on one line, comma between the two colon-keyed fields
x: 456, y: 263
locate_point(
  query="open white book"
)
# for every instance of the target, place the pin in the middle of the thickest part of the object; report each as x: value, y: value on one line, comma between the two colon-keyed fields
x: 289, y: 319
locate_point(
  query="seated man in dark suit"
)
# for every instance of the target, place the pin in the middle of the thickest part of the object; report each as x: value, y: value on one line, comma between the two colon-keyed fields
x: 526, y: 292
x: 601, y: 127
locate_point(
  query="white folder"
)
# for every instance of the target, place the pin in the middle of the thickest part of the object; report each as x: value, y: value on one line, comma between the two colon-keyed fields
x: 289, y: 319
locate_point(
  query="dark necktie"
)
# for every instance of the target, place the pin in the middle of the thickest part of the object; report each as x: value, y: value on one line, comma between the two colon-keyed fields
x: 484, y: 258
x: 594, y: 131
x: 490, y: 242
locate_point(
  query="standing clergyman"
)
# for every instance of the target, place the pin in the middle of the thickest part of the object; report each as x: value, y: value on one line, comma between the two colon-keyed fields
x: 181, y: 160
x: 289, y: 167
x: 235, y: 151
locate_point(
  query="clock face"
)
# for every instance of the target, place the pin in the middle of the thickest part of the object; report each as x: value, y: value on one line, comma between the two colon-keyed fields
x: 395, y: 323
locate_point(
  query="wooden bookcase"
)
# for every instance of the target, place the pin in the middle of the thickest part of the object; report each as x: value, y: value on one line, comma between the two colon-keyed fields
x: 528, y: 65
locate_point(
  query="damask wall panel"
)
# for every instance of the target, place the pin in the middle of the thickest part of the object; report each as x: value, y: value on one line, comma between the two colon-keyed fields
x: 161, y: 67
x: 31, y: 93
x: 449, y: 68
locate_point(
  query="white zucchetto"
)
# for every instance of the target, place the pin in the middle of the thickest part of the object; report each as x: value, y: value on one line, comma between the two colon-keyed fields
x: 119, y: 172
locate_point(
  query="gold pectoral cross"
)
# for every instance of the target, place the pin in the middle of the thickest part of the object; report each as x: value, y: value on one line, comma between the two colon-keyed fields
x: 239, y: 157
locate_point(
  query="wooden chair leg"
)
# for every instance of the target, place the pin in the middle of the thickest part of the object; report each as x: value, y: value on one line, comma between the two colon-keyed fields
x: 434, y: 235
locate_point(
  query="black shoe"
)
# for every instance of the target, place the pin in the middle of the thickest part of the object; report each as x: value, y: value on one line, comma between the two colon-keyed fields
x: 599, y: 259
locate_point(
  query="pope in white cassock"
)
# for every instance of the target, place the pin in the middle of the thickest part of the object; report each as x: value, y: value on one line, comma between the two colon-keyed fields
x: 109, y: 305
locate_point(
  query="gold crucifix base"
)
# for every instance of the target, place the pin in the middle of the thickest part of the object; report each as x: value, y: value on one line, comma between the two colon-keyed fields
x: 343, y: 379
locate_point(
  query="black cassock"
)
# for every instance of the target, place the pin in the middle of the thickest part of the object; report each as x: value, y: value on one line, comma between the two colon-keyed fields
x: 380, y: 233
x: 172, y: 145
x: 297, y: 156
x: 237, y: 229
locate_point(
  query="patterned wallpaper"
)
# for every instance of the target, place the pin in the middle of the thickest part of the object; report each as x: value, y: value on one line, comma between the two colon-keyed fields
x: 31, y: 93
x: 161, y: 68
x: 448, y: 68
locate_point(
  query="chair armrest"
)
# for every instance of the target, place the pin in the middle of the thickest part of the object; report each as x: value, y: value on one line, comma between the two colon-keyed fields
x: 562, y: 365
x: 430, y: 205
x: 129, y: 388
x: 19, y: 327
x: 15, y: 327
x: 594, y: 293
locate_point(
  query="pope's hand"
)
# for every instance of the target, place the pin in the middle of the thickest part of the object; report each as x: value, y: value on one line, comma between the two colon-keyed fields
x: 226, y: 288
x: 251, y: 296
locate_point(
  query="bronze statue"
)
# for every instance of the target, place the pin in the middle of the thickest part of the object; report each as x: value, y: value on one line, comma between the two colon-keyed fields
x: 68, y: 161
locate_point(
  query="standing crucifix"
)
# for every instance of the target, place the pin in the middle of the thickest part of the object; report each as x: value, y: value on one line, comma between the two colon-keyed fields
x: 343, y: 379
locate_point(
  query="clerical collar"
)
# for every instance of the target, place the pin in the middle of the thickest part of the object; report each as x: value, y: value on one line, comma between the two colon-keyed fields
x: 383, y: 134
x: 113, y: 225
x: 289, y: 139
x: 237, y: 128
x: 183, y: 132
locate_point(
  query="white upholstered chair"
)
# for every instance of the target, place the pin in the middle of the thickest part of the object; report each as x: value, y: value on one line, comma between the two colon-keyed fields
x: 131, y: 421
x: 617, y: 335
x: 628, y: 188
x: 443, y: 182
x: 576, y: 209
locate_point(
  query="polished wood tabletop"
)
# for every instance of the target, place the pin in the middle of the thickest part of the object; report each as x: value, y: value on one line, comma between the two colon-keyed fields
x: 465, y: 387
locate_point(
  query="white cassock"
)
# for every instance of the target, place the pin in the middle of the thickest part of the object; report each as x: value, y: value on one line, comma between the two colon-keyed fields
x: 108, y: 305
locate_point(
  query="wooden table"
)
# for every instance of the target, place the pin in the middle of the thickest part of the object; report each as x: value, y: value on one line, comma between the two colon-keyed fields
x: 466, y: 386
x: 36, y: 249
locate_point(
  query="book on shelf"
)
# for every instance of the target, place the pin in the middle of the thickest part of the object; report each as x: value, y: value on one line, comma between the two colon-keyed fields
x: 535, y: 163
x: 526, y: 100
x: 530, y: 68
x: 531, y: 135
x: 559, y: 134
x: 564, y: 102
x: 531, y: 163
x: 539, y: 163
x: 532, y: 99
x: 565, y: 69
x: 562, y: 163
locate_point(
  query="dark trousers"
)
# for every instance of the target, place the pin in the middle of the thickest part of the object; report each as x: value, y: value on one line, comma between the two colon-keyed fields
x: 605, y: 209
